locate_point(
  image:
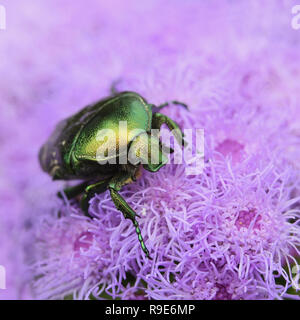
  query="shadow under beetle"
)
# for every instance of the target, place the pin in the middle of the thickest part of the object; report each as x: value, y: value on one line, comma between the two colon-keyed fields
x: 71, y: 151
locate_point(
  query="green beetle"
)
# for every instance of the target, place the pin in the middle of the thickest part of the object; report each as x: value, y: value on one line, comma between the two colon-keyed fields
x: 72, y: 151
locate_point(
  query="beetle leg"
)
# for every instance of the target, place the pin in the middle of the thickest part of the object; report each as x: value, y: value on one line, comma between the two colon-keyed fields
x: 128, y: 213
x: 159, y: 119
x: 90, y: 192
x: 113, y: 88
x: 157, y: 109
x: 123, y: 206
x: 72, y: 192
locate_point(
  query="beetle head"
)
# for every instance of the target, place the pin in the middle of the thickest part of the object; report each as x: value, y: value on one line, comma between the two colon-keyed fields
x: 49, y: 161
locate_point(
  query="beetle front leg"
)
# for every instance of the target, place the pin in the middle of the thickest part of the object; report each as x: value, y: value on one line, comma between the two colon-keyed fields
x: 128, y: 213
x: 159, y: 119
x: 90, y: 192
x: 123, y: 206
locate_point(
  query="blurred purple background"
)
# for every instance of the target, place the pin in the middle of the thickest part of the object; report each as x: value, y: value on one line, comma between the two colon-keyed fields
x: 223, y: 58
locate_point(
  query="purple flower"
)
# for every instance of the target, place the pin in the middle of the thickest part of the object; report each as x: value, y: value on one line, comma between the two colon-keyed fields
x: 220, y: 235
x: 72, y: 255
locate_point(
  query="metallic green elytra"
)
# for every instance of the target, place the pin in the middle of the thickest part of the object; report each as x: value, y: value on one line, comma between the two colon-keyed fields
x: 74, y: 150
